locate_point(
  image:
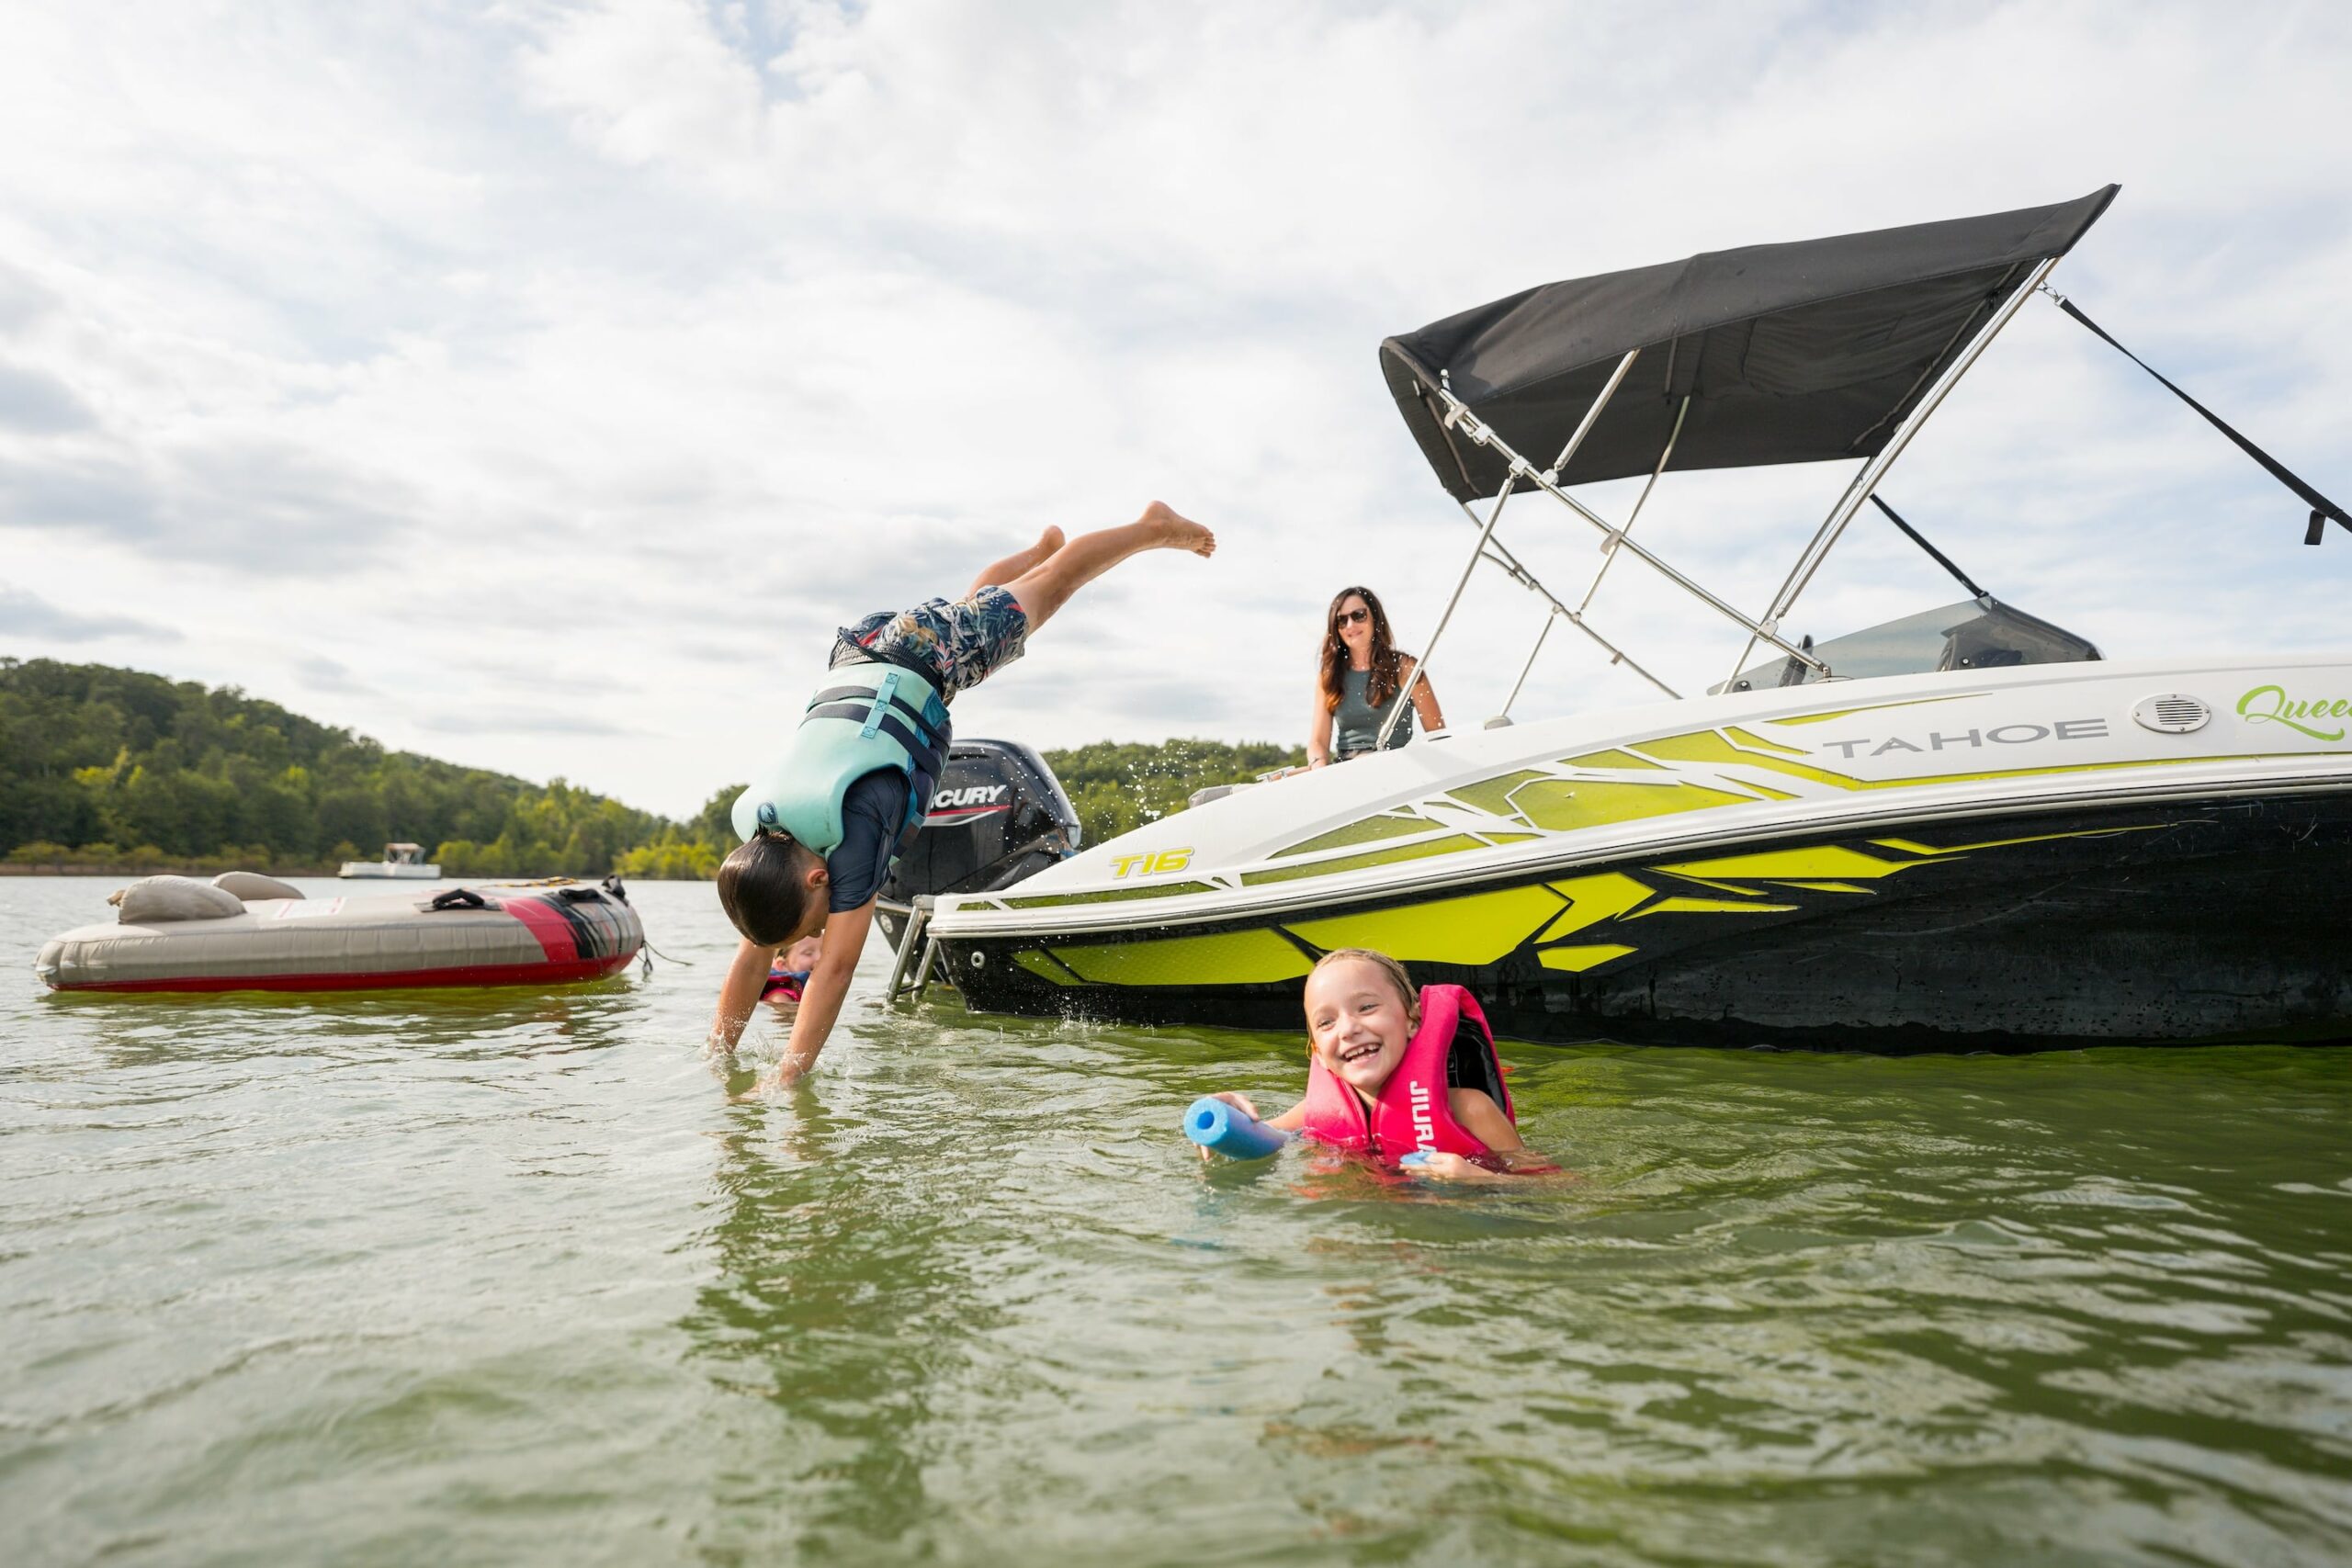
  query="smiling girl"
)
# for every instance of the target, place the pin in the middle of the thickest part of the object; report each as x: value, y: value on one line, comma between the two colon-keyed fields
x: 1386, y: 1079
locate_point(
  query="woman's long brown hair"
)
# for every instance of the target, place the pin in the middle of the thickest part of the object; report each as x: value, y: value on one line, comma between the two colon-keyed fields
x: 1386, y: 672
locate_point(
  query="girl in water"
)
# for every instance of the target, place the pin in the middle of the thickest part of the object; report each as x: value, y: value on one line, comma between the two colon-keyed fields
x: 789, y: 971
x: 1356, y: 678
x: 1375, y: 1082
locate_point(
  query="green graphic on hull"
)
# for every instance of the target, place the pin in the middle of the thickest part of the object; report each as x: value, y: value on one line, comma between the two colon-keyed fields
x: 1370, y: 830
x: 1577, y: 960
x: 1562, y: 805
x: 1592, y: 899
x: 1453, y: 844
x: 1235, y: 958
x: 1565, y: 924
x: 1479, y: 929
x: 1701, y: 771
x: 1115, y: 896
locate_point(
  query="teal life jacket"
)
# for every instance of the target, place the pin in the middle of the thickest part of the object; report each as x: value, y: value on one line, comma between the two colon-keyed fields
x: 868, y: 717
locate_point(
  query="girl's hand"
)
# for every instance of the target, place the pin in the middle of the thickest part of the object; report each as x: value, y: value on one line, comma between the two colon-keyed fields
x: 1453, y: 1168
x: 1239, y: 1102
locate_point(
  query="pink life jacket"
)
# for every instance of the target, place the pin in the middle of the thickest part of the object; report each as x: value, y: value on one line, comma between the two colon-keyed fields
x: 1453, y: 1047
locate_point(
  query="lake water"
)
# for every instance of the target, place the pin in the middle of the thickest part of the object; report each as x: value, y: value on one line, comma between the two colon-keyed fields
x: 502, y: 1278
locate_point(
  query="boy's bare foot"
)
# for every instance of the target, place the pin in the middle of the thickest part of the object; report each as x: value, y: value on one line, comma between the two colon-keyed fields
x: 1178, y: 532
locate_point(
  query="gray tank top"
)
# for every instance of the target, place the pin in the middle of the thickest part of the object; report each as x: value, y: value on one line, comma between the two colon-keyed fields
x: 1355, y: 723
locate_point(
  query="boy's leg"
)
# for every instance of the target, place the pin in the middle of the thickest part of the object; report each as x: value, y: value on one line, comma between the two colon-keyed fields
x: 1048, y: 586
x: 1018, y: 562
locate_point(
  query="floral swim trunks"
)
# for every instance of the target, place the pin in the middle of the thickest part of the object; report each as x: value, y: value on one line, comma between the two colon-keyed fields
x: 963, y: 643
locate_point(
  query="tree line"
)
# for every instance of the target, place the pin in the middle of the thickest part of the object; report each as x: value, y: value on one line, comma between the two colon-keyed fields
x: 1116, y: 785
x: 106, y: 769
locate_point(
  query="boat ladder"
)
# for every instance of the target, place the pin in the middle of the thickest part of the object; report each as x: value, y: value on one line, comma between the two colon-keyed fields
x: 912, y: 979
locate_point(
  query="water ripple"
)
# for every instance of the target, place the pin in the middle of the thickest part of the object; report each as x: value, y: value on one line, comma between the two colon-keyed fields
x: 494, y: 1277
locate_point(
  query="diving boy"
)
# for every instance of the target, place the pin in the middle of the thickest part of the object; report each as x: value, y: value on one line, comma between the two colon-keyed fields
x: 822, y: 826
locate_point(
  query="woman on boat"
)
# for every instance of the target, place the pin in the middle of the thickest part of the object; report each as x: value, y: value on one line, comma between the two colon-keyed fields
x: 1357, y: 680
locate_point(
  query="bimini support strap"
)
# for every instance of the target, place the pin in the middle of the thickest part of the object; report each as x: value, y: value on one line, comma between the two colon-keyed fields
x: 2323, y: 511
x: 1934, y: 554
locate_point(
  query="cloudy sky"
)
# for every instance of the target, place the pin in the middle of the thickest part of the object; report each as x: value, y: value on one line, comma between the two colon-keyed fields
x: 536, y: 384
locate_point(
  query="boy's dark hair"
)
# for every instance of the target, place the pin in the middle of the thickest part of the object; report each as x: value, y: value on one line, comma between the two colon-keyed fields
x: 763, y: 887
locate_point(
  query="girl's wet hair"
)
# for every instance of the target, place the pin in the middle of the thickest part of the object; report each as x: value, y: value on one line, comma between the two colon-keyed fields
x: 1407, y: 992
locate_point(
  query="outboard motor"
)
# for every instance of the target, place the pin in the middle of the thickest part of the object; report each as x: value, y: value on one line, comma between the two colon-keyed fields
x: 999, y: 815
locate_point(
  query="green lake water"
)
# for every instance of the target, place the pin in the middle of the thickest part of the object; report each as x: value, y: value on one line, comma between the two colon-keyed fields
x: 494, y: 1277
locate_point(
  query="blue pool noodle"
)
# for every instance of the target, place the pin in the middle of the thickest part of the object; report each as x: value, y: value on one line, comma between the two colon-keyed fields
x: 1218, y: 1127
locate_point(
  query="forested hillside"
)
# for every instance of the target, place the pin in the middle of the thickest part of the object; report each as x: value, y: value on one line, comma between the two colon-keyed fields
x: 1120, y: 785
x: 103, y: 768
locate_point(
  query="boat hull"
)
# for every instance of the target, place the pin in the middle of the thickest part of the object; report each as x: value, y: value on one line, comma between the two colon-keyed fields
x: 2008, y: 858
x: 2205, y: 920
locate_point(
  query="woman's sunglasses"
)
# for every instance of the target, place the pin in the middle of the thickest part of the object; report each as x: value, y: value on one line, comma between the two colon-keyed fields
x: 1350, y: 617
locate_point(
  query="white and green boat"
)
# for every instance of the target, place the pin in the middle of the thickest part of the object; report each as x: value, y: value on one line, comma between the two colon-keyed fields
x: 1965, y: 829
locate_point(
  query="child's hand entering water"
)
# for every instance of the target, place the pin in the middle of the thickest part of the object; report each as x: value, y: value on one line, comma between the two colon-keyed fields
x: 1511, y: 1165
x: 1241, y: 1103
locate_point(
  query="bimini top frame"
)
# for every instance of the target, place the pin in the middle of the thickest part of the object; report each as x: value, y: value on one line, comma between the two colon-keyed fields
x: 1821, y: 349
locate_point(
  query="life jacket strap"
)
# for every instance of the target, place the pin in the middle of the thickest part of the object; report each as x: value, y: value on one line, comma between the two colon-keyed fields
x: 886, y: 692
x: 853, y: 702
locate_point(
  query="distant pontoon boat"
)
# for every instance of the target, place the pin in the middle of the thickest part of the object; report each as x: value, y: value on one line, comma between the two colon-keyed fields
x: 405, y: 862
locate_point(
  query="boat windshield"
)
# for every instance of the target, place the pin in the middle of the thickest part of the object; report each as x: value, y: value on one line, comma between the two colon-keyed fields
x: 1975, y: 634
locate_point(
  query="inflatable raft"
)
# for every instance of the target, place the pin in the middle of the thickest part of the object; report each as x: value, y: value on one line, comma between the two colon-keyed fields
x: 245, y: 932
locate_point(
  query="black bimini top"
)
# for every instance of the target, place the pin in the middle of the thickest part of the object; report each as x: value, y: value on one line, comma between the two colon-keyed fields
x: 1789, y: 353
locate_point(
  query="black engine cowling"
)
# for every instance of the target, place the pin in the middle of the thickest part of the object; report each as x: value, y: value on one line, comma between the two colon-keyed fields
x: 998, y: 816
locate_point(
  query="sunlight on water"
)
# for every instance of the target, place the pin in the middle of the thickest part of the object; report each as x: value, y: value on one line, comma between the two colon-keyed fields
x: 487, y: 1278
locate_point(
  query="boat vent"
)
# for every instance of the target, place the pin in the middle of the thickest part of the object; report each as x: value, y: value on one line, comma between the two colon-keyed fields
x: 2175, y: 713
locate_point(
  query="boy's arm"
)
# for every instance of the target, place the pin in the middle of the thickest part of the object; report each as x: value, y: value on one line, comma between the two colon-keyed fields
x: 820, y: 998
x: 740, y: 993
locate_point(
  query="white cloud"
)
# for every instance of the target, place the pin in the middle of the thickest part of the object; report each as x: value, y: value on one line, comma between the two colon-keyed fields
x: 27, y: 618
x: 561, y: 374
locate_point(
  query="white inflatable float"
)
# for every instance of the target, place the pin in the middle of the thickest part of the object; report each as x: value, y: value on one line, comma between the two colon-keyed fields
x: 246, y: 932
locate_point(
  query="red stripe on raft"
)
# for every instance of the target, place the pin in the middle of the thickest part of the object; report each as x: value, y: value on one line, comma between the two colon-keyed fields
x: 547, y: 924
x: 471, y: 974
